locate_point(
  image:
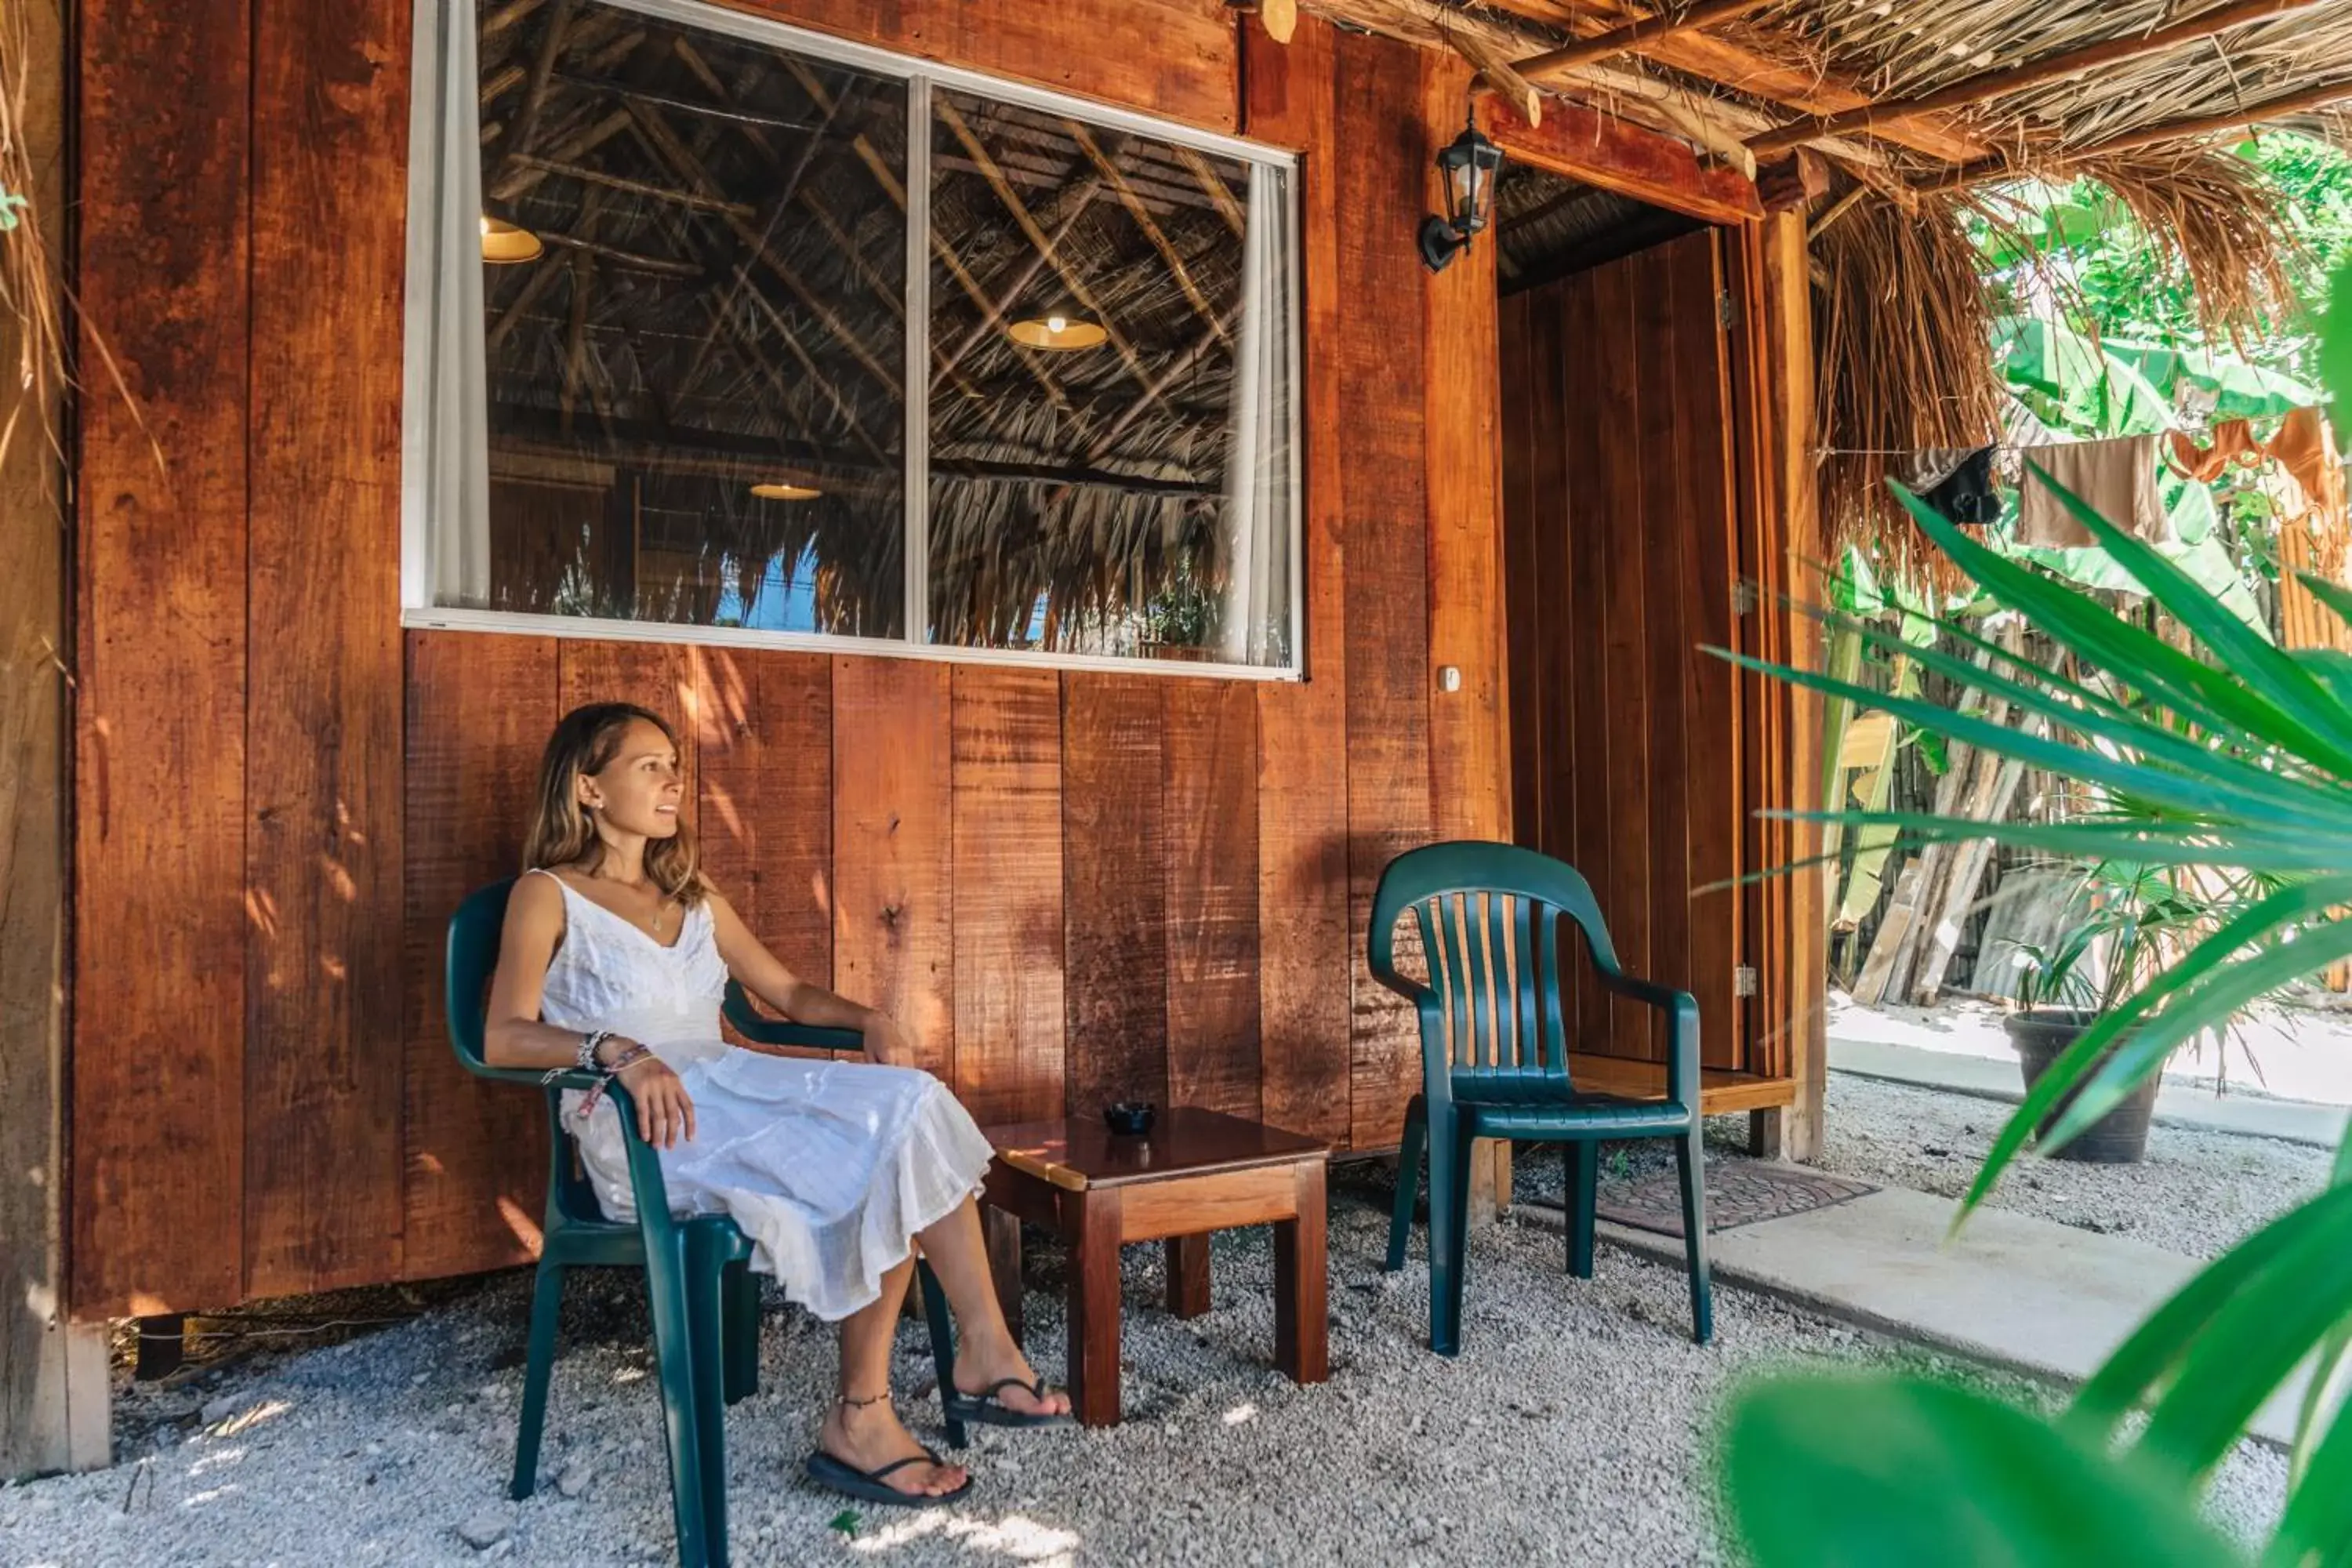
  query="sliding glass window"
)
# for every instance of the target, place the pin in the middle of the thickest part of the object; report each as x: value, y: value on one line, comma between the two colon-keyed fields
x: 675, y: 272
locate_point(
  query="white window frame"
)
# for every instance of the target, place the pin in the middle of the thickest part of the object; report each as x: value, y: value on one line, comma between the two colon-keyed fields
x: 428, y: 473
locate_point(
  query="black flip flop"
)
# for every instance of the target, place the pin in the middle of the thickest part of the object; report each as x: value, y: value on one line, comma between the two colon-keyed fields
x: 867, y: 1486
x: 990, y: 1411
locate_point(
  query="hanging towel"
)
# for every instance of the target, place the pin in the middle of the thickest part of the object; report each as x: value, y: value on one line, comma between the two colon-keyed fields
x: 1965, y: 494
x: 1929, y: 467
x: 2116, y: 478
x: 2233, y: 441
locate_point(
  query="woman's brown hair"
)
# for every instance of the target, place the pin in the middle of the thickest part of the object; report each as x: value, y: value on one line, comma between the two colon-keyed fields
x: 586, y: 740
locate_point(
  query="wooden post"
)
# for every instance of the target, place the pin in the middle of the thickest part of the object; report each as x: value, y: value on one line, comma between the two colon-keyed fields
x: 1788, y: 384
x: 53, y: 1374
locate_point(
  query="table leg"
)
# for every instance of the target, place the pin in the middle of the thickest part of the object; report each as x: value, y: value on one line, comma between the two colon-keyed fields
x: 1187, y: 1274
x: 1092, y: 1232
x: 1302, y: 1283
x: 1004, y: 1231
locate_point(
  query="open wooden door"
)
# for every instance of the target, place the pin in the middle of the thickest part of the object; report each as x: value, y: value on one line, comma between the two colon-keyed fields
x: 1621, y: 526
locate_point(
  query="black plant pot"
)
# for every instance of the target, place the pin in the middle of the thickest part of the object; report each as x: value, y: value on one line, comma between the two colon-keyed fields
x: 2118, y: 1138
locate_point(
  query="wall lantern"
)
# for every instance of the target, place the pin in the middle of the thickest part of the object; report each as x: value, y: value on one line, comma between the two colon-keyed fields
x: 1471, y: 164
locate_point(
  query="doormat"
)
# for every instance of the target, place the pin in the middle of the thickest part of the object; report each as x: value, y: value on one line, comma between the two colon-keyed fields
x: 1738, y: 1191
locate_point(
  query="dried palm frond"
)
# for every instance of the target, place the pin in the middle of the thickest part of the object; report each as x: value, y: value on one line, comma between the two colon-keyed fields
x: 1902, y: 336
x: 2215, y: 220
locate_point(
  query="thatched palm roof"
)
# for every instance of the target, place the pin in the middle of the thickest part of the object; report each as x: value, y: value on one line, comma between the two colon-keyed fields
x: 1921, y: 107
x: 722, y: 303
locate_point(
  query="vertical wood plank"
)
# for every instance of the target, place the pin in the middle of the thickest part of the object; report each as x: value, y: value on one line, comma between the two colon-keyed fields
x: 1305, y: 958
x: 1622, y: 652
x: 158, y: 1080
x: 1591, y: 710
x: 1460, y: 367
x: 1009, y: 997
x: 1469, y: 793
x: 893, y: 845
x: 479, y: 711
x: 1115, y: 935
x: 1788, y: 387
x: 1211, y: 753
x: 1658, y: 544
x: 54, y: 1393
x: 764, y: 753
x: 1711, y: 767
x: 1386, y: 534
x: 322, y: 1152
x: 1176, y: 59
x: 1521, y: 592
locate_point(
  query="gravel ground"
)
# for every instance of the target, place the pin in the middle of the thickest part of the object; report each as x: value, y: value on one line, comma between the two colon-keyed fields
x: 2197, y: 1193
x: 1573, y: 1428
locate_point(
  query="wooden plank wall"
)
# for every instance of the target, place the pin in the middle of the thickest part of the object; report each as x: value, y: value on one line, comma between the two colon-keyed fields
x: 1620, y: 526
x: 1070, y: 887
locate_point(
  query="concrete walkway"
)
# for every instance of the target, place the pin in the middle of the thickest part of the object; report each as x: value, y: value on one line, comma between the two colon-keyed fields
x: 2010, y: 1290
x: 2176, y: 1104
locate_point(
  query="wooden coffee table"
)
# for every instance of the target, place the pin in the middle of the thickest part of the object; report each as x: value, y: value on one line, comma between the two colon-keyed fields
x: 1196, y: 1172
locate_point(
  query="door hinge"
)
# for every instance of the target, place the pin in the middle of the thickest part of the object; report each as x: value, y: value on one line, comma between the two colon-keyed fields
x: 1726, y: 309
x: 1743, y: 598
x: 1743, y: 980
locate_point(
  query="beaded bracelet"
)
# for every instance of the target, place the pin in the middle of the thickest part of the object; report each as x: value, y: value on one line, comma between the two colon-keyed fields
x: 630, y: 1058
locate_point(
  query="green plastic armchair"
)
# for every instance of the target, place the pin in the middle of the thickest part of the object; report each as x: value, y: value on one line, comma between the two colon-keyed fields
x: 705, y: 1300
x: 1494, y: 1052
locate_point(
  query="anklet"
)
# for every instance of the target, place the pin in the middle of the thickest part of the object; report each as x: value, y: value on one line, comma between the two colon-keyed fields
x: 848, y: 1404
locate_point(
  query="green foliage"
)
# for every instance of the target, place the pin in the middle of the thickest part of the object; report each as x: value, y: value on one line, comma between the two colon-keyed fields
x: 2231, y: 753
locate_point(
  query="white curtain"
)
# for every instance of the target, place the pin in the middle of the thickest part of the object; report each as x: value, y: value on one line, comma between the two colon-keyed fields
x: 1259, y: 451
x: 445, y: 436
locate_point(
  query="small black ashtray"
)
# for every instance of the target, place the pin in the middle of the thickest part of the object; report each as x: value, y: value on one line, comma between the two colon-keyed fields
x: 1128, y: 1118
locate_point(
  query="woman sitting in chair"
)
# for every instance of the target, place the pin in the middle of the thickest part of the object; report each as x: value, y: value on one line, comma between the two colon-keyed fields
x: 616, y: 949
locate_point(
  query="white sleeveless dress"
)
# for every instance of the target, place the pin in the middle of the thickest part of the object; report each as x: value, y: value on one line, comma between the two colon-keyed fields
x: 830, y: 1166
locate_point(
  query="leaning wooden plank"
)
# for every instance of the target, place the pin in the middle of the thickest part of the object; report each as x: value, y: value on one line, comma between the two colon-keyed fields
x: 1008, y: 996
x: 479, y: 709
x: 1602, y: 150
x: 894, y: 910
x: 1304, y: 956
x: 323, y: 817
x: 160, y: 927
x: 1115, y: 902
x: 1210, y: 750
x: 763, y: 756
x: 1382, y: 121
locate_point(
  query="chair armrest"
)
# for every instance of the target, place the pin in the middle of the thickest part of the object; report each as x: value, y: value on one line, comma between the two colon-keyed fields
x: 762, y: 1030
x: 569, y: 1077
x: 1682, y: 1030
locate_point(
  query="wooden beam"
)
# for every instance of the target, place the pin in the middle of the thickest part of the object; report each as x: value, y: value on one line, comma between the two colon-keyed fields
x: 1109, y: 170
x: 2246, y: 117
x: 1637, y: 34
x: 1498, y: 74
x: 1736, y: 64
x: 2019, y: 79
x: 1601, y: 150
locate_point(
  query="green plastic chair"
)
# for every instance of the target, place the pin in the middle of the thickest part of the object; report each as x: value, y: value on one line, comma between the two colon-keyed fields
x: 1494, y: 1054
x: 705, y: 1300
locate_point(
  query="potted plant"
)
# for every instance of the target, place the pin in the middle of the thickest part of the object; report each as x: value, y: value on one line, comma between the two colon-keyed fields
x: 2124, y: 922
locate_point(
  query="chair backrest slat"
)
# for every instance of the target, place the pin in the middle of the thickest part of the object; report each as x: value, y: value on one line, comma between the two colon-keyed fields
x: 1490, y: 918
